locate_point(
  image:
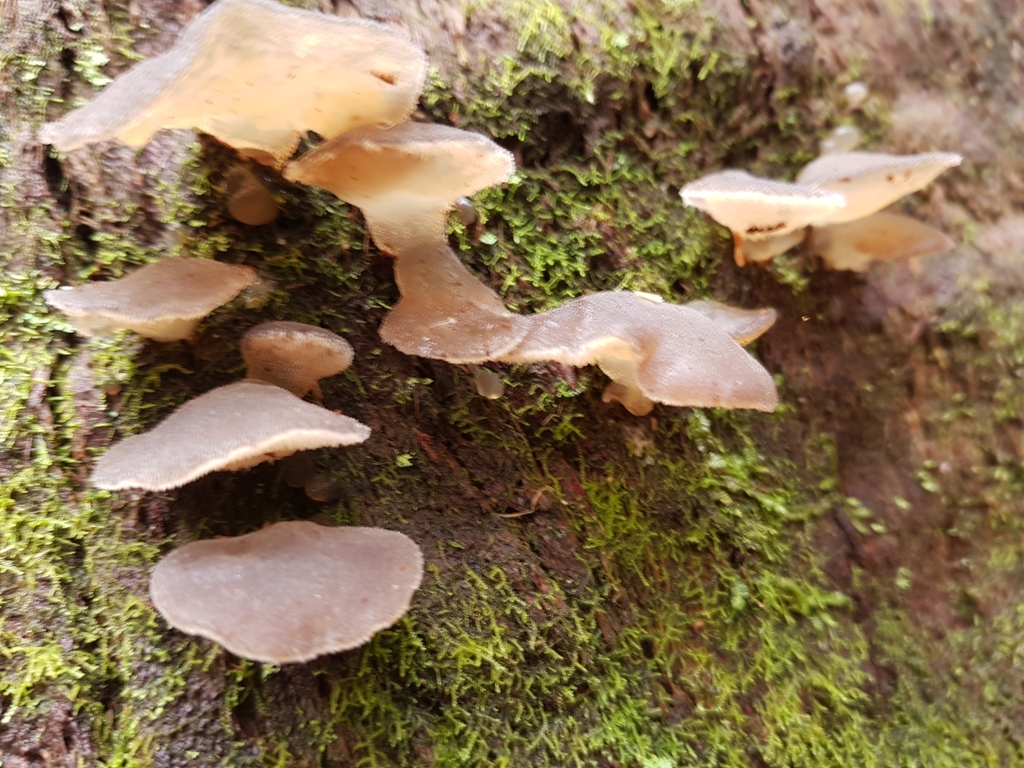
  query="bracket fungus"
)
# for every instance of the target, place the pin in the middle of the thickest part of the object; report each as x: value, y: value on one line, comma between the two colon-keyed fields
x: 652, y: 351
x: 256, y: 74
x: 869, y: 181
x: 742, y: 325
x: 878, y: 237
x: 405, y: 178
x: 232, y: 427
x: 756, y: 208
x: 290, y: 592
x: 163, y: 301
x: 445, y: 312
x: 294, y: 356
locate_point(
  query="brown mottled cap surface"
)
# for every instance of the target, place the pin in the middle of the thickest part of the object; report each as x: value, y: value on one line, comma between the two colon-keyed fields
x: 756, y: 208
x: 405, y: 178
x: 256, y: 74
x: 232, y: 427
x: 290, y: 592
x: 294, y: 356
x: 869, y: 181
x: 163, y: 301
x: 879, y: 237
x: 446, y: 313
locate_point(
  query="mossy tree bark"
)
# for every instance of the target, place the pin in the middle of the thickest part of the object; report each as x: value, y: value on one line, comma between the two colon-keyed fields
x: 834, y: 584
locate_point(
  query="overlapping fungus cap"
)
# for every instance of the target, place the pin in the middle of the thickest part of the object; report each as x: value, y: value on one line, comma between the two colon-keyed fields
x: 249, y: 200
x: 294, y: 356
x: 767, y: 249
x: 757, y: 209
x: 879, y: 237
x: 743, y: 325
x: 445, y: 312
x: 164, y: 300
x: 869, y: 181
x: 290, y: 592
x: 256, y: 75
x: 233, y: 427
x: 652, y: 351
x: 405, y: 178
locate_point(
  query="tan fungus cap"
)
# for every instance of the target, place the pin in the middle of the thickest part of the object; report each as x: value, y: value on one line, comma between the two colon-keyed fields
x: 869, y: 181
x: 757, y: 209
x: 232, y: 427
x: 290, y: 592
x: 164, y: 300
x: 256, y: 75
x: 879, y: 237
x: 294, y: 356
x: 743, y: 325
x: 446, y: 313
x: 405, y: 178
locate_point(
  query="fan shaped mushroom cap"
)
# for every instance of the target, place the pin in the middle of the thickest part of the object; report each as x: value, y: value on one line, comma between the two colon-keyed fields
x: 164, y: 300
x: 445, y: 312
x: 668, y: 352
x: 294, y: 356
x: 757, y: 209
x: 869, y: 181
x: 405, y: 178
x: 232, y: 427
x: 256, y: 74
x: 743, y: 325
x: 290, y: 592
x: 879, y: 237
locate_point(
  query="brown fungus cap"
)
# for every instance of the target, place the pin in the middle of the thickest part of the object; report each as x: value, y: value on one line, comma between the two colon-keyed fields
x: 869, y: 181
x: 405, y: 178
x: 162, y: 301
x: 446, y: 313
x: 233, y: 427
x: 654, y: 351
x: 879, y: 237
x: 756, y: 208
x: 256, y: 75
x: 290, y: 592
x: 249, y: 200
x: 294, y: 356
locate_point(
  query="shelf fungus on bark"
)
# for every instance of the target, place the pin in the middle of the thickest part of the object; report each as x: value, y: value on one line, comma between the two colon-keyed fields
x: 406, y: 178
x: 869, y: 181
x: 289, y: 592
x: 445, y: 312
x: 294, y: 356
x: 759, y: 209
x: 232, y: 427
x: 163, y: 301
x: 256, y: 75
x: 879, y: 237
x: 653, y: 351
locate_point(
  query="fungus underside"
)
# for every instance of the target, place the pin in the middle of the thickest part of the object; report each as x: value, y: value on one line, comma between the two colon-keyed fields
x: 530, y: 641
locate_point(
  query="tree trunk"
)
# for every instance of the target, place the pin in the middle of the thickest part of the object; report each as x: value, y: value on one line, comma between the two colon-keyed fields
x: 836, y: 584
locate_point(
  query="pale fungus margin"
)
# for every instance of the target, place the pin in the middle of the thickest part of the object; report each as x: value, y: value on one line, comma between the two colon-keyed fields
x: 294, y: 356
x: 406, y: 178
x: 855, y: 244
x: 289, y: 592
x: 869, y: 181
x: 756, y: 208
x: 256, y: 74
x: 163, y: 301
x: 232, y: 427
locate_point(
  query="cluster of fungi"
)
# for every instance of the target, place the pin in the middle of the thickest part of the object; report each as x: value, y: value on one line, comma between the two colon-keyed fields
x: 295, y: 590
